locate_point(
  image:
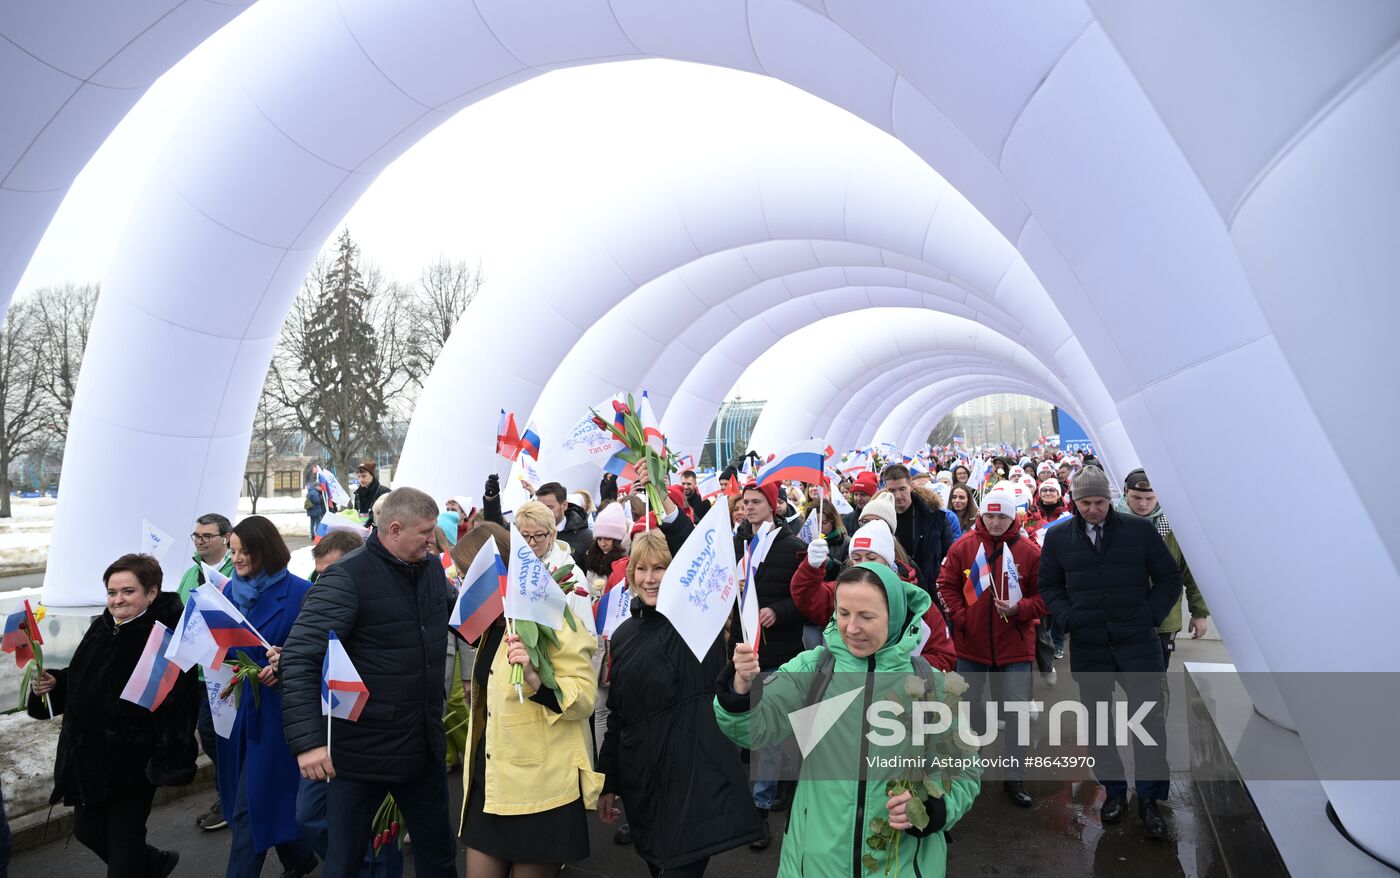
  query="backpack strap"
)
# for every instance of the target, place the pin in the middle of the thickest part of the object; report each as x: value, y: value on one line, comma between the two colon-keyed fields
x: 821, y: 676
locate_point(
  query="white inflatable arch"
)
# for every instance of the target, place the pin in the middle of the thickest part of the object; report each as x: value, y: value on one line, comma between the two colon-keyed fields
x: 1216, y: 235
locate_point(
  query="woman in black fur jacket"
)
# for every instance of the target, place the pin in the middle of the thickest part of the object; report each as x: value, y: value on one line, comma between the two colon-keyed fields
x: 112, y: 754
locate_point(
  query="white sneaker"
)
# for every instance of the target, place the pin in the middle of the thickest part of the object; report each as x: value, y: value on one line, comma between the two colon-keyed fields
x: 1051, y: 677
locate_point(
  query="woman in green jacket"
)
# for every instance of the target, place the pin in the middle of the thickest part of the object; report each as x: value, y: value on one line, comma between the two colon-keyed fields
x: 916, y: 782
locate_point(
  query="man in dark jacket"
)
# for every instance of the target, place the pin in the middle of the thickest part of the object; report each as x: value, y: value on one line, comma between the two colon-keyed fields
x: 1110, y: 580
x: 570, y: 519
x: 922, y: 530
x: 388, y: 604
x: 779, y: 618
x: 369, y: 490
x: 690, y: 484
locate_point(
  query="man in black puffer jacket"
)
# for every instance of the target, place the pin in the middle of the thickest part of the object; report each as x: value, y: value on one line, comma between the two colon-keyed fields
x: 388, y: 604
x: 1109, y: 580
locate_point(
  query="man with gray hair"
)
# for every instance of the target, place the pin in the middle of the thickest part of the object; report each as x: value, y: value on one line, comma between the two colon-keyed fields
x: 388, y: 604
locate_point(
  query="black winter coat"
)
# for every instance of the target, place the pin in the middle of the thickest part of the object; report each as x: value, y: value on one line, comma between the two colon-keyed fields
x: 681, y: 780
x: 365, y: 495
x: 698, y: 505
x: 392, y: 619
x: 577, y: 532
x: 106, y: 743
x: 932, y: 537
x: 1110, y: 603
x: 774, y: 580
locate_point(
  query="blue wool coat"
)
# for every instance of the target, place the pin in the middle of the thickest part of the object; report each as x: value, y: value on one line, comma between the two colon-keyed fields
x: 257, y: 744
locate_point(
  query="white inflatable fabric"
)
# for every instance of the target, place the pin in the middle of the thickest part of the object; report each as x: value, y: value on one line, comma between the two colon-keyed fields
x: 1216, y: 237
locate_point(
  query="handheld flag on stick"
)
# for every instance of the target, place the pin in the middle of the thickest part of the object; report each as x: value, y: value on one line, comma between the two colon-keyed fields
x: 801, y: 462
x: 154, y: 541
x: 481, y: 595
x: 507, y: 436
x: 154, y: 675
x: 531, y: 592
x: 613, y: 608
x: 20, y: 628
x: 699, y: 588
x: 811, y: 528
x: 343, y: 693
x: 226, y: 625
x: 1011, y: 578
x: 530, y: 442
x: 332, y: 487
x: 979, y: 577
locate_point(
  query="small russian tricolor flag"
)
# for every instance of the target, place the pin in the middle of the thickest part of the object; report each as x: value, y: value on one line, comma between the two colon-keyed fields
x: 15, y: 640
x: 613, y: 608
x: 154, y: 675
x: 343, y: 693
x: 979, y: 577
x: 799, y: 462
x: 480, y: 597
x: 530, y: 442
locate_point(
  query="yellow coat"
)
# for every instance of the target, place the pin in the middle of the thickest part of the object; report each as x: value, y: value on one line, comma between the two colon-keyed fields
x: 537, y: 759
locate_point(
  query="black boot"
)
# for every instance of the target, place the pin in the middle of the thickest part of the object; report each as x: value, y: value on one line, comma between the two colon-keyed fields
x: 1113, y: 808
x: 1153, y: 823
x: 1017, y: 790
x: 171, y: 859
x: 767, y: 839
x: 623, y: 834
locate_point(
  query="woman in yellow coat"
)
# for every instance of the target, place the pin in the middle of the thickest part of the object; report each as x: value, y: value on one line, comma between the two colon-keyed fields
x: 529, y: 773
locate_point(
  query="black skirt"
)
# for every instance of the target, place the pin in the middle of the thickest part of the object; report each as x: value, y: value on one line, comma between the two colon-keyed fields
x: 559, y: 835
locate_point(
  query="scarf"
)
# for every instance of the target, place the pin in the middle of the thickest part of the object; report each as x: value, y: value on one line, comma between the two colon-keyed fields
x: 245, y: 592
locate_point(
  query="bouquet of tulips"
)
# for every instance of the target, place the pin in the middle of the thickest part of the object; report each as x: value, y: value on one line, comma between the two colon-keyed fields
x: 636, y: 429
x: 387, y: 825
x: 244, y: 668
x: 35, y: 668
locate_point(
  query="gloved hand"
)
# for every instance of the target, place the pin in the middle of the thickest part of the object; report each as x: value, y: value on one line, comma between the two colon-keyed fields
x: 607, y: 488
x: 493, y: 486
x: 817, y: 552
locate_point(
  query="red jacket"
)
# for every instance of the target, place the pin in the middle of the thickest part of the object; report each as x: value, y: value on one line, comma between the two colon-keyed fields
x: 979, y: 632
x: 815, y: 597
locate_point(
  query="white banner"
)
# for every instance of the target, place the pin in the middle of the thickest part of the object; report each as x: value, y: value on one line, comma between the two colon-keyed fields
x: 531, y: 593
x: 699, y: 587
x: 585, y: 443
x: 223, y: 710
x: 154, y: 541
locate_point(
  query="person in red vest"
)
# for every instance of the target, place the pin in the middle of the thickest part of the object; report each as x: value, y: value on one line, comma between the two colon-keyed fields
x: 992, y: 633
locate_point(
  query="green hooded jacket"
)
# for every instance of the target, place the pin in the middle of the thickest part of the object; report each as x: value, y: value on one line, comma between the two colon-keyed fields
x: 1194, y: 599
x: 829, y: 827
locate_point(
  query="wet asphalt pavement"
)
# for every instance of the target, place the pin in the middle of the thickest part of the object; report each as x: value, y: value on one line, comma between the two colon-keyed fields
x: 1060, y: 835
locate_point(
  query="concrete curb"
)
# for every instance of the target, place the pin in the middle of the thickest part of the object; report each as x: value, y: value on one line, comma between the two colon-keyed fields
x: 21, y: 571
x: 30, y: 831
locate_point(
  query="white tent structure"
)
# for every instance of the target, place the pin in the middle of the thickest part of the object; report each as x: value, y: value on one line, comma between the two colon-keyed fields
x: 1178, y: 217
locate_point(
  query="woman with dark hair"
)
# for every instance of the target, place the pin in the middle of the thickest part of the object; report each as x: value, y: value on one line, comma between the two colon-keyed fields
x: 112, y: 753
x: 963, y: 504
x: 609, y: 544
x: 255, y: 766
x: 961, y: 474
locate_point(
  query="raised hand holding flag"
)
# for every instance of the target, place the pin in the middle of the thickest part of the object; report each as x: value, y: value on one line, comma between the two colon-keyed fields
x: 700, y: 586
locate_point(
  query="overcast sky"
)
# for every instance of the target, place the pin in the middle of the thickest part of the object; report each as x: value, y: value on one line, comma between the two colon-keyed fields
x: 474, y: 188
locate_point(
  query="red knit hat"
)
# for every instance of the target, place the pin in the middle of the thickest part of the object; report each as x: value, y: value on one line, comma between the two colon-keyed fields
x: 867, y: 484
x: 769, y: 492
x: 677, y: 495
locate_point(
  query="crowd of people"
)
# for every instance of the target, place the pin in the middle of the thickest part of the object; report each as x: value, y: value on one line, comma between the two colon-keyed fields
x: 680, y: 754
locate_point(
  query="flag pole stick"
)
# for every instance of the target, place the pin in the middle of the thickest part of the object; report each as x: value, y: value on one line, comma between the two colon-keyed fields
x: 510, y: 629
x: 329, y: 716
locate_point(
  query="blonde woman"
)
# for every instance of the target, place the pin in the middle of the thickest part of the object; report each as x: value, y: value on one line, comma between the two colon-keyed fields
x: 528, y: 777
x: 682, y: 781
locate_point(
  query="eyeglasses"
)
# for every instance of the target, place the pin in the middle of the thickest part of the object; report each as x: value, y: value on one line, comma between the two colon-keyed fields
x: 204, y: 538
x: 535, y: 539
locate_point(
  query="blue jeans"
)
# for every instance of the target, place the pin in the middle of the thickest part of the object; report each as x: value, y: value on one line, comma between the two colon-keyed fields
x: 1057, y: 633
x: 311, y: 817
x: 350, y: 806
x: 1015, y: 680
x: 243, y: 860
x: 315, y: 523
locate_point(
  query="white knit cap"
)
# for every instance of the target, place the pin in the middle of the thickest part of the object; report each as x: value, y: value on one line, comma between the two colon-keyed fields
x: 1001, y: 500
x: 875, y: 537
x: 882, y: 507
